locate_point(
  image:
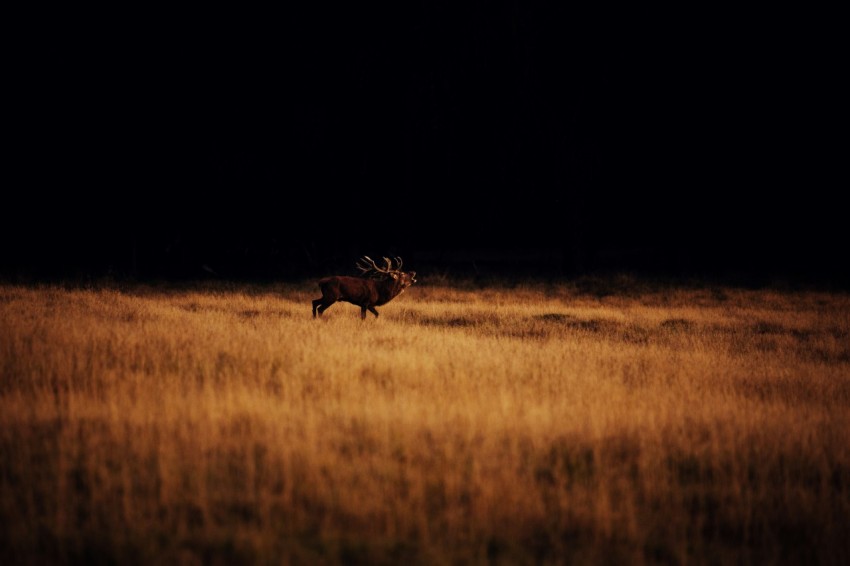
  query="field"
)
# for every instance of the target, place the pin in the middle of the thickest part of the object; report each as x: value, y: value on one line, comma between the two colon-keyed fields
x: 530, y: 424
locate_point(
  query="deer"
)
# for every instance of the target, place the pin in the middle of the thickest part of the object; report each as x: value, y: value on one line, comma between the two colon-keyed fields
x: 375, y: 287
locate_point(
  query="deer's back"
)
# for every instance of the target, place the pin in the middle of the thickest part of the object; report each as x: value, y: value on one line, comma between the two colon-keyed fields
x: 352, y: 289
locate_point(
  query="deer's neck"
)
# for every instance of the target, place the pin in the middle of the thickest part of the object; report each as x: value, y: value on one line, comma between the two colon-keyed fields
x: 387, y: 290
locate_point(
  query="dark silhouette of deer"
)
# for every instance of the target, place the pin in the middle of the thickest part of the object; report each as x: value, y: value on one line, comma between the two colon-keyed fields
x: 377, y: 286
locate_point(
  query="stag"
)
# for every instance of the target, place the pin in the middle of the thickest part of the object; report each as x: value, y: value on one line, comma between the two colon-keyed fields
x: 375, y: 287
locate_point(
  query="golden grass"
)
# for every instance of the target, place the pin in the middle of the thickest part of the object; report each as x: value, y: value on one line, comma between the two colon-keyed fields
x: 527, y: 425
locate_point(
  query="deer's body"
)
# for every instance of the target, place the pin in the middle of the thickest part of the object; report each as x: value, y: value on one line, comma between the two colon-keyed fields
x: 365, y: 293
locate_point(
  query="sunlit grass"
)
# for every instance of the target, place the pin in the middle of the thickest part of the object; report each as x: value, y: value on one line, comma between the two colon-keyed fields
x: 525, y: 425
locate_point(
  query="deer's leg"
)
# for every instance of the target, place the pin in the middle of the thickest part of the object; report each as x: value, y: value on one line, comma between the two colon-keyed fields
x: 316, y: 303
x: 362, y: 313
x: 372, y: 310
x: 325, y: 304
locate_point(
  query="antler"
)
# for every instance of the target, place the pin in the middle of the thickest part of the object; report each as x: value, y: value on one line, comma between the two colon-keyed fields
x: 389, y: 262
x: 367, y: 266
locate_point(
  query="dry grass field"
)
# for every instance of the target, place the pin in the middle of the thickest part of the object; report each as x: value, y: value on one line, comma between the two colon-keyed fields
x: 525, y: 425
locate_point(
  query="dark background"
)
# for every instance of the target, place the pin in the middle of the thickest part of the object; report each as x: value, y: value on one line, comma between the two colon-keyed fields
x: 484, y: 138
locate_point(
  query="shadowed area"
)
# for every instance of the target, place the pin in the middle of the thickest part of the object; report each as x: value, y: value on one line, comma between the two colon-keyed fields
x: 484, y: 140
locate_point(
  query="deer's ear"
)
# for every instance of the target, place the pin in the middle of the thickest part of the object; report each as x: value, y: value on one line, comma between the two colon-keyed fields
x: 394, y: 276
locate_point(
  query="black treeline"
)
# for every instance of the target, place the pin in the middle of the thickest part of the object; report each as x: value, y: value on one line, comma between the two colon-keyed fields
x: 481, y: 136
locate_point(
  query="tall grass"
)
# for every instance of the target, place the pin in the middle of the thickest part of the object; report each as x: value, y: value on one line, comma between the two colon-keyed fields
x: 526, y: 425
